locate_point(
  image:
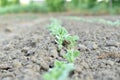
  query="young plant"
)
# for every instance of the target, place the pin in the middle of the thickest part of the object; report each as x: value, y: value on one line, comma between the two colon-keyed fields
x: 53, y: 27
x: 59, y: 32
x: 60, y: 71
x: 71, y: 55
x: 60, y: 37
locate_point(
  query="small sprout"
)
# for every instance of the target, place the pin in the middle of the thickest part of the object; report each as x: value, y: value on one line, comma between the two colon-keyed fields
x: 71, y: 55
x: 60, y: 71
x: 59, y: 32
x: 60, y: 39
x: 53, y: 27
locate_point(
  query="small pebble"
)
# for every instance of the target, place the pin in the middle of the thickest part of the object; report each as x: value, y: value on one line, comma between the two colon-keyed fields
x: 92, y: 45
x: 109, y: 62
x: 82, y: 47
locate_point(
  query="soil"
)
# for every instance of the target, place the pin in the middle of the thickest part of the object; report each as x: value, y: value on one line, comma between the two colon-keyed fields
x: 27, y: 50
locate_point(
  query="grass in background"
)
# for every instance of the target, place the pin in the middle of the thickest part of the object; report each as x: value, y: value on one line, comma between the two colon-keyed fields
x: 32, y: 8
x: 98, y: 8
x: 59, y: 6
x: 96, y: 20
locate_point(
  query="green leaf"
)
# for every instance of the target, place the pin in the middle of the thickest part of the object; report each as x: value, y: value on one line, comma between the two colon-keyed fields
x: 58, y: 63
x: 60, y: 71
x: 76, y: 53
x: 71, y: 55
x: 69, y: 67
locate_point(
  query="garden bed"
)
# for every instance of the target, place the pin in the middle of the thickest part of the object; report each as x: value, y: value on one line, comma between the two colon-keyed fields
x: 28, y: 50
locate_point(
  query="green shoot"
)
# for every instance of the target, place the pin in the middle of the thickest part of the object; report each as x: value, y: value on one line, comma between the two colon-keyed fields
x: 60, y: 36
x: 71, y: 55
x: 53, y: 27
x: 60, y: 71
x: 59, y: 32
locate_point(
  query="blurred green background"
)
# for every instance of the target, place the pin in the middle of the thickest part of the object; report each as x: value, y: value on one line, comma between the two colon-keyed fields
x: 46, y: 6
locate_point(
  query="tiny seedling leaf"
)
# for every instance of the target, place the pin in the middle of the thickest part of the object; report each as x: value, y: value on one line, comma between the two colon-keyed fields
x: 71, y: 55
x: 60, y: 71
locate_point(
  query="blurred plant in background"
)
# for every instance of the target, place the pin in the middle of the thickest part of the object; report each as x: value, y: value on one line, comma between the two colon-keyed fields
x: 83, y: 3
x: 96, y: 6
x: 8, y: 2
x: 22, y: 6
x: 56, y: 5
x: 81, y: 6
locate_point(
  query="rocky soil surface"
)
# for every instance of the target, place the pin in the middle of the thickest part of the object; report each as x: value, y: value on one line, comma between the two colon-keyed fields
x: 27, y: 50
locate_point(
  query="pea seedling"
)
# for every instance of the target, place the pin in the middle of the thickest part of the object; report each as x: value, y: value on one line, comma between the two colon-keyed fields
x: 53, y: 27
x: 60, y: 71
x: 60, y: 36
x: 71, y: 55
x: 59, y: 32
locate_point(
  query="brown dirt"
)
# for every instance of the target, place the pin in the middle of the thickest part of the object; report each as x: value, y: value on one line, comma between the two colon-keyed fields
x: 27, y: 50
